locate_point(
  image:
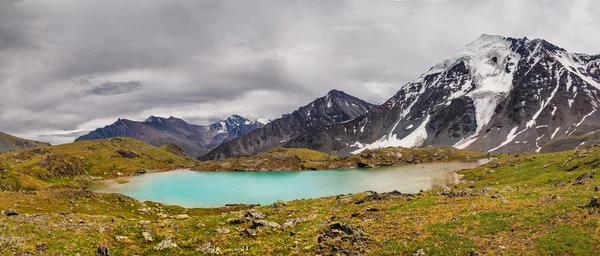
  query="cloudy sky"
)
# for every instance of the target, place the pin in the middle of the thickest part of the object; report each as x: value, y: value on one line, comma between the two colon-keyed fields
x: 69, y: 66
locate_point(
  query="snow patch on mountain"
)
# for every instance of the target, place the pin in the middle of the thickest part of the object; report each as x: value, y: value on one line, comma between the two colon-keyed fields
x: 414, y: 139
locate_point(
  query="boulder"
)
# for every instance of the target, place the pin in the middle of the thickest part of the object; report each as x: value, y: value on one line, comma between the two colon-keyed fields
x: 165, y: 244
x: 103, y: 251
x: 11, y: 212
x: 208, y: 248
x: 264, y: 224
x: 254, y: 214
x: 147, y: 236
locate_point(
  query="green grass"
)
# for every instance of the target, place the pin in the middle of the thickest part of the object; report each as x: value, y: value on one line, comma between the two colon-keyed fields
x: 524, y: 213
x: 73, y: 165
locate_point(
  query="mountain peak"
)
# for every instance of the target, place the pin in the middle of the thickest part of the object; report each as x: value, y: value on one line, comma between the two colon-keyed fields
x: 152, y: 119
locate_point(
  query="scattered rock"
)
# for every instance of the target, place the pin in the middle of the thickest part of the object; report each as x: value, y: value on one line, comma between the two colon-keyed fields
x: 239, y: 220
x: 11, y: 212
x: 372, y: 210
x: 248, y: 232
x: 343, y: 239
x: 144, y: 223
x: 121, y: 238
x: 242, y: 249
x: 41, y: 248
x: 127, y: 154
x: 293, y: 222
x: 486, y: 189
x: 200, y: 225
x: 419, y: 252
x: 181, y: 216
x: 263, y: 223
x: 147, y: 236
x: 208, y: 248
x: 474, y: 253
x: 254, y: 214
x: 103, y: 251
x: 496, y: 165
x: 278, y: 205
x: 165, y: 244
x: 223, y: 230
x: 584, y: 178
x: 594, y: 204
x: 560, y: 184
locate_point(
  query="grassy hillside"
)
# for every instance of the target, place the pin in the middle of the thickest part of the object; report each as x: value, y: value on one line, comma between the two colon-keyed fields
x: 74, y: 164
x: 279, y: 159
x: 517, y: 205
x: 10, y: 143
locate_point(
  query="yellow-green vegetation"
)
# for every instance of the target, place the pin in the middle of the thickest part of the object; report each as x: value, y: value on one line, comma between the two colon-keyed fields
x: 279, y: 159
x: 75, y: 164
x: 517, y: 205
x: 122, y: 181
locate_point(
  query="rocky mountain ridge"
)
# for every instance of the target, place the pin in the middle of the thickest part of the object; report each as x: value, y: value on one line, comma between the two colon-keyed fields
x: 333, y: 108
x: 499, y: 94
x: 10, y: 143
x: 195, y: 140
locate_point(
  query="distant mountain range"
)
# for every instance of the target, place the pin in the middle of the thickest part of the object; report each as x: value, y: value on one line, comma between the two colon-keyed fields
x: 334, y: 108
x: 195, y: 140
x: 499, y: 94
x: 10, y: 143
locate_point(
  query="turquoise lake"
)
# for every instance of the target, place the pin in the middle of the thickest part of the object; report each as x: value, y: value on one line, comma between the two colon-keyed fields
x: 213, y: 189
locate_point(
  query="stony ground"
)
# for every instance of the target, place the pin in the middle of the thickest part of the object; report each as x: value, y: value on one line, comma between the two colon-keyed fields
x: 518, y: 205
x: 280, y: 159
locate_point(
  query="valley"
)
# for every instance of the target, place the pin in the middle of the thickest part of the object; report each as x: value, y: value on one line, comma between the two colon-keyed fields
x: 337, y: 176
x: 518, y: 204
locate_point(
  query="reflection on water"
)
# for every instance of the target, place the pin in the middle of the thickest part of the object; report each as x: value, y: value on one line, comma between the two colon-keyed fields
x: 213, y: 189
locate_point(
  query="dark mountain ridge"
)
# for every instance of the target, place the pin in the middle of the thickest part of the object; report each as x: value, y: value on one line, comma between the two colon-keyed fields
x: 195, y: 140
x: 335, y: 107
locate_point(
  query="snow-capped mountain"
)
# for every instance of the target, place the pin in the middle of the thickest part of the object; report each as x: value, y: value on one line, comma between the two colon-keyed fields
x: 499, y: 94
x: 196, y: 140
x: 335, y: 107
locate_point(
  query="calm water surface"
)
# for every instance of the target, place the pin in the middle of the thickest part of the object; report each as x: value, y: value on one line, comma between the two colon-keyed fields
x: 213, y: 189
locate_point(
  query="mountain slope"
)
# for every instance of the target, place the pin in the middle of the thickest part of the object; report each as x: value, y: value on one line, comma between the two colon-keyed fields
x: 73, y: 164
x: 498, y: 95
x: 11, y: 143
x: 335, y: 107
x: 195, y: 140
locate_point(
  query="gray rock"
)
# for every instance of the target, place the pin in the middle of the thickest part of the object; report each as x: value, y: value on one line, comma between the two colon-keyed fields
x: 264, y: 224
x: 239, y: 220
x: 293, y: 222
x: 248, y: 232
x: 103, y: 251
x: 147, y: 236
x: 165, y: 244
x: 223, y: 230
x: 208, y: 248
x: 419, y: 252
x: 11, y: 212
x: 254, y: 214
x: 181, y: 216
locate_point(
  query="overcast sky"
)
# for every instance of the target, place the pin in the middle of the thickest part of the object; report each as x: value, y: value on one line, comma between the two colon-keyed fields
x: 67, y: 67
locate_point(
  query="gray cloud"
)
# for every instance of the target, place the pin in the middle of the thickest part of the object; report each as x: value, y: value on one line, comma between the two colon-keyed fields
x: 113, y: 88
x: 205, y: 60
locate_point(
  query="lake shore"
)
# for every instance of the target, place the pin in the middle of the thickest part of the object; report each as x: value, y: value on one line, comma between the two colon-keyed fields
x: 284, y: 159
